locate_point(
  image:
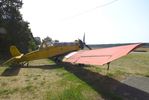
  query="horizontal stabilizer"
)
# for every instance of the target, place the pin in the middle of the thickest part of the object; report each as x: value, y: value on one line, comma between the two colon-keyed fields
x: 9, y: 61
x: 13, y: 59
x: 16, y: 55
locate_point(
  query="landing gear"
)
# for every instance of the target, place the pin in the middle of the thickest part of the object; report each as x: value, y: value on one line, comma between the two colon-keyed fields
x: 57, y: 59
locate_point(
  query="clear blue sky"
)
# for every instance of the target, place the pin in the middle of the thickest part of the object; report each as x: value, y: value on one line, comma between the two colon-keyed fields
x: 122, y: 21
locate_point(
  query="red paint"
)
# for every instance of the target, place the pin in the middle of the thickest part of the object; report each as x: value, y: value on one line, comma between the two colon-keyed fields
x: 101, y: 56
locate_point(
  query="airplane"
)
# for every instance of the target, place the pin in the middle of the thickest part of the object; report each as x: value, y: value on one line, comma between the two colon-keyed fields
x: 73, y: 52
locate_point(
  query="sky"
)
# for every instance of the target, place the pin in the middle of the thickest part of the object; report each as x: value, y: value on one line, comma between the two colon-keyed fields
x: 102, y: 21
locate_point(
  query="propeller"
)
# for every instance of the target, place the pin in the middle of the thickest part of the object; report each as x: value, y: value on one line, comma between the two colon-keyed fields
x: 82, y: 43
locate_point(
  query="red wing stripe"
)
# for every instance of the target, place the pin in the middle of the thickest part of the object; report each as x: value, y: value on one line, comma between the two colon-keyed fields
x: 98, y: 56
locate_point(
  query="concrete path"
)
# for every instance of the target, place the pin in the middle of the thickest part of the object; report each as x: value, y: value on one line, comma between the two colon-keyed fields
x: 134, y: 88
x: 139, y: 82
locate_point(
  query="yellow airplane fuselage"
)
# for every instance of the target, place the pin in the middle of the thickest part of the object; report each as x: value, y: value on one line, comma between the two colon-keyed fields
x: 48, y: 52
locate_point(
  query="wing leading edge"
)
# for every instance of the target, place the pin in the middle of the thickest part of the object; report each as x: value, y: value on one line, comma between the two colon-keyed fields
x: 101, y: 56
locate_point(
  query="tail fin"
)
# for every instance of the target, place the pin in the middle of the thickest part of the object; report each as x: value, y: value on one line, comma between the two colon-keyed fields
x: 14, y: 51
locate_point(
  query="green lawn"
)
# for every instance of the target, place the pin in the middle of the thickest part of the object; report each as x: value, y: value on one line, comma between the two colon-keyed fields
x: 44, y: 80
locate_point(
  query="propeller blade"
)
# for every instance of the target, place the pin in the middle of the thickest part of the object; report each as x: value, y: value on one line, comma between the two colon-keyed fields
x: 84, y: 38
x: 82, y: 43
x: 88, y: 47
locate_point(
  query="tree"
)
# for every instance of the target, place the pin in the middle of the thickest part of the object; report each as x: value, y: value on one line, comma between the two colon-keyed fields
x: 37, y: 40
x: 47, y: 39
x: 18, y: 31
x: 56, y: 41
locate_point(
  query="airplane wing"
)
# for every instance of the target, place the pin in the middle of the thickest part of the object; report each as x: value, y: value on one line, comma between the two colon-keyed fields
x: 100, y: 56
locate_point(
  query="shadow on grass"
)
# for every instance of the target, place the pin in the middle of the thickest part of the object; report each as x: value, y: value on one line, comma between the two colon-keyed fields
x: 11, y: 71
x: 109, y: 88
x: 146, y: 75
x: 14, y: 70
x: 54, y: 66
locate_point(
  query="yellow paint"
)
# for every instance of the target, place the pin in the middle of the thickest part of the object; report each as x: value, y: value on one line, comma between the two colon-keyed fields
x: 14, y: 51
x: 48, y: 52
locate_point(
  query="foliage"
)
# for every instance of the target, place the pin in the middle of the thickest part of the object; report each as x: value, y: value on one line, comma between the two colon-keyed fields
x: 37, y: 40
x: 18, y: 31
x: 48, y: 39
x: 32, y: 45
x: 56, y: 41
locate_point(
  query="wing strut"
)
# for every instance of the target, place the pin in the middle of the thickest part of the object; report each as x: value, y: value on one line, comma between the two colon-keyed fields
x: 108, y: 65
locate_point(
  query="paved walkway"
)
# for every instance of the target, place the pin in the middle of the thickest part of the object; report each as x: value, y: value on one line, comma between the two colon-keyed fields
x: 139, y: 82
x: 134, y: 88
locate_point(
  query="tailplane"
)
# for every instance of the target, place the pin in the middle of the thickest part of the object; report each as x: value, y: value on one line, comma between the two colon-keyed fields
x: 14, y: 51
x: 15, y: 55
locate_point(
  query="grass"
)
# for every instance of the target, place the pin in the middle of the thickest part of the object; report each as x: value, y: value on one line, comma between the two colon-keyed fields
x: 69, y: 87
x: 136, y: 63
x: 45, y: 83
x: 44, y: 80
x: 141, y: 49
x: 132, y: 64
